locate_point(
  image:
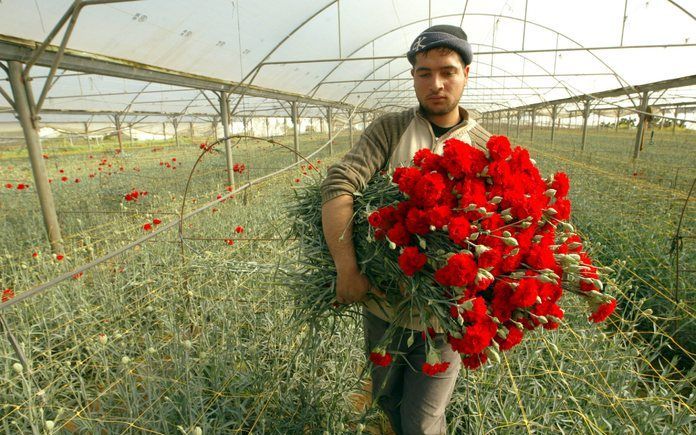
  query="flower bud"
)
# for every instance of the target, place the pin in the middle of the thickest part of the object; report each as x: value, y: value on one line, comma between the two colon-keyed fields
x: 467, y: 305
x: 525, y: 224
x: 510, y: 241
x: 473, y: 236
x: 550, y: 193
x: 197, y: 430
x: 49, y: 425
x: 496, y: 200
x: 493, y: 355
x: 506, y: 234
x: 480, y: 249
x: 187, y: 344
x: 421, y: 243
x: 550, y: 211
x: 503, y: 332
x: 392, y: 245
x: 18, y: 368
x: 102, y: 338
x: 537, y: 238
x: 125, y: 360
x: 574, y: 245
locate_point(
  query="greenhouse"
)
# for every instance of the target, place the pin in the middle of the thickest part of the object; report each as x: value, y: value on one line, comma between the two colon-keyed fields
x: 163, y: 184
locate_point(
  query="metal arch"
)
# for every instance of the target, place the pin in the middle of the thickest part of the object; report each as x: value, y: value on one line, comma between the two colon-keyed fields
x: 680, y: 7
x: 621, y: 81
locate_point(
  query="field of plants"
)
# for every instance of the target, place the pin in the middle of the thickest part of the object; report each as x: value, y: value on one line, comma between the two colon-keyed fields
x: 194, y: 331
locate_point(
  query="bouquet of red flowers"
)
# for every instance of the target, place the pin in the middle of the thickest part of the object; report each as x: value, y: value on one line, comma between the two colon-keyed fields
x: 473, y: 242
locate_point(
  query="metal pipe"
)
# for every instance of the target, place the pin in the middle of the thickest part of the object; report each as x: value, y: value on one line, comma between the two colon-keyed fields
x: 329, y: 122
x: 640, y: 133
x: 295, y: 130
x: 531, y: 132
x: 585, y: 115
x: 225, y: 119
x: 554, y: 114
x: 31, y: 135
x: 350, y: 128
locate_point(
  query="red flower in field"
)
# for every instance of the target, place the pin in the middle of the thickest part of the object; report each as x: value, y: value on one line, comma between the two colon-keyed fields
x: 77, y: 180
x: 63, y: 179
x: 229, y: 242
x: 240, y: 167
x: 22, y: 186
x: 411, y: 260
x: 173, y: 159
x: 459, y: 271
x: 60, y: 257
x: 45, y: 156
x: 472, y: 362
x: 156, y: 221
x: 147, y: 227
x: 8, y: 185
x: 297, y: 180
x: 433, y: 369
x: 603, y: 311
x: 35, y: 255
x: 203, y: 145
x: 548, y: 308
x: 381, y: 359
x: 7, y: 294
x: 78, y: 275
x: 62, y: 171
x: 239, y: 229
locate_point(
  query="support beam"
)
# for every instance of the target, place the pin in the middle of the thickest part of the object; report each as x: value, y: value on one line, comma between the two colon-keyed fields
x: 519, y: 115
x: 30, y: 127
x: 585, y: 115
x: 268, y: 129
x: 554, y: 114
x: 193, y: 142
x: 674, y: 122
x: 225, y: 119
x: 507, y: 121
x: 350, y: 128
x: 531, y: 132
x: 117, y: 124
x: 175, y: 123
x: 130, y: 133
x: 640, y: 133
x: 164, y: 130
x: 618, y: 116
x: 329, y: 124
x: 295, y: 130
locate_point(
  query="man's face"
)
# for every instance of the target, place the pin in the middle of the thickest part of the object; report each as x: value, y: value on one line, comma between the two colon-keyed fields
x: 439, y: 80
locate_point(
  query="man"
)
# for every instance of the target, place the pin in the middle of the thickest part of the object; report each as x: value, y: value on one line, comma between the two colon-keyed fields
x: 440, y: 57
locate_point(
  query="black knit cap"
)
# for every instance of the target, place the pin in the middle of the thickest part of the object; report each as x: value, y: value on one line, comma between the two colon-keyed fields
x: 441, y: 35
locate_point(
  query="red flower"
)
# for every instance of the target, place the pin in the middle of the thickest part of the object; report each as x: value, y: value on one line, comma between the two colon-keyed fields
x: 459, y: 230
x: 439, y: 216
x: 476, y: 338
x: 513, y: 338
x: 417, y: 221
x: 499, y: 147
x: 239, y: 229
x: 433, y: 369
x: 78, y: 275
x: 77, y: 180
x: 473, y: 362
x: 459, y: 271
x: 603, y: 311
x: 561, y: 183
x: 461, y: 159
x: 428, y: 190
x: 526, y: 293
x: 147, y: 227
x: 156, y: 221
x: 63, y: 179
x: 399, y: 234
x: 22, y: 186
x: 381, y: 359
x: 427, y: 160
x: 35, y: 254
x: 229, y: 242
x: 407, y: 178
x: 411, y: 260
x: 7, y: 294
x: 8, y: 185
x: 60, y: 257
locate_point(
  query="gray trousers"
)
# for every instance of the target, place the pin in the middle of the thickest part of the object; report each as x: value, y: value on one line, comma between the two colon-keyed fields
x: 414, y: 402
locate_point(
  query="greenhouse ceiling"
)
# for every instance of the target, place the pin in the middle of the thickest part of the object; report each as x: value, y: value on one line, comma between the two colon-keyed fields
x: 173, y: 56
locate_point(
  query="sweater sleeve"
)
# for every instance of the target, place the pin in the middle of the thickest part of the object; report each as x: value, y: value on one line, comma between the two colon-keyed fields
x: 360, y: 164
x: 479, y: 135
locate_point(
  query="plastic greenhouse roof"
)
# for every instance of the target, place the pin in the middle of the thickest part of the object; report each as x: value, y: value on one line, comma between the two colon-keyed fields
x: 350, y: 51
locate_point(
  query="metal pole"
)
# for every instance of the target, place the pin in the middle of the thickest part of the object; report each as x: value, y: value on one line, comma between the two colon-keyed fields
x: 364, y: 120
x: 191, y: 132
x: 519, y: 115
x: 531, y: 132
x: 296, y: 130
x: 164, y: 130
x: 641, y: 125
x: 130, y: 134
x: 500, y: 122
x: 554, y: 113
x: 507, y: 121
x: 175, y: 123
x: 350, y: 128
x: 585, y: 115
x: 30, y: 128
x: 329, y: 123
x: 225, y: 119
x: 616, y: 124
x: 89, y: 144
x: 268, y: 130
x: 674, y: 122
x: 117, y: 123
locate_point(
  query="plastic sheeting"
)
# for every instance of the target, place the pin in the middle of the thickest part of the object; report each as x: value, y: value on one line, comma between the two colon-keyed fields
x: 353, y: 50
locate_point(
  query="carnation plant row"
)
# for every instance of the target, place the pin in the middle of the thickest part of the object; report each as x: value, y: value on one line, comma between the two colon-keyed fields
x: 160, y: 342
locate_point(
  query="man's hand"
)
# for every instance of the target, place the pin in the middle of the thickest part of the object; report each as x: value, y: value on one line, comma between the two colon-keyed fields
x: 351, y: 286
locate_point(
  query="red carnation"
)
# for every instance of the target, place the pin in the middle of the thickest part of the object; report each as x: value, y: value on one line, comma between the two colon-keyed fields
x: 561, y: 183
x: 526, y: 293
x: 433, y: 369
x: 407, y: 178
x: 429, y: 189
x: 476, y: 338
x: 473, y: 362
x: 603, y: 311
x: 439, y: 216
x: 156, y: 221
x: 411, y: 260
x: 399, y: 234
x: 478, y: 312
x: 417, y: 221
x: 147, y: 227
x: 459, y: 230
x: 462, y: 159
x: 499, y: 147
x: 7, y: 294
x: 513, y: 338
x: 239, y: 229
x: 381, y: 359
x: 460, y: 271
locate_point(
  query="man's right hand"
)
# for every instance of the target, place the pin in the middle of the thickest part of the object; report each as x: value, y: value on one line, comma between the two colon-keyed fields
x: 351, y: 286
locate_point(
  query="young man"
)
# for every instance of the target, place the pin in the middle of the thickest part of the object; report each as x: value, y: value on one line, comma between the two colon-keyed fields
x: 440, y: 56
